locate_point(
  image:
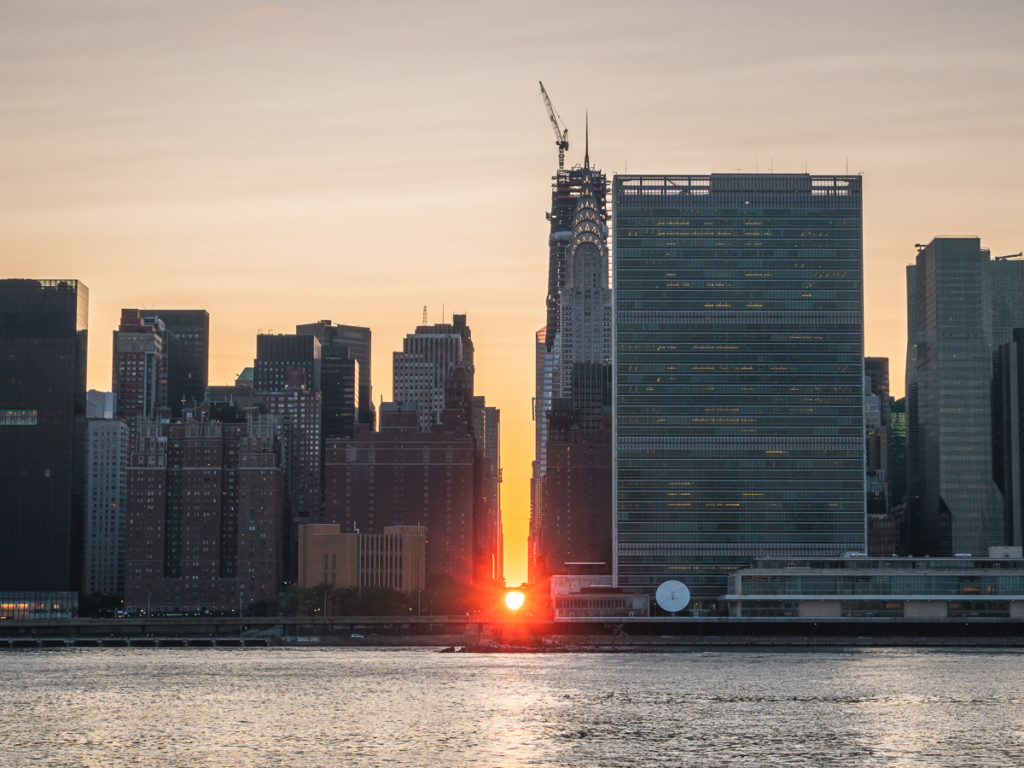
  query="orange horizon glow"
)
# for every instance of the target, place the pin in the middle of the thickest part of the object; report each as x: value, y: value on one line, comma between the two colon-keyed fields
x: 286, y: 163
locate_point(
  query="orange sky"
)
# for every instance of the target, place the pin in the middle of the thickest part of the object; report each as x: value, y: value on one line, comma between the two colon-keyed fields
x: 284, y: 164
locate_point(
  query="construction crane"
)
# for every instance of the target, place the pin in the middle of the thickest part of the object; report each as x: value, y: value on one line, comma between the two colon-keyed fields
x: 561, y: 134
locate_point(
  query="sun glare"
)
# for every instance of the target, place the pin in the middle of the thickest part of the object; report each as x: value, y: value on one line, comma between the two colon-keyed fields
x: 514, y: 600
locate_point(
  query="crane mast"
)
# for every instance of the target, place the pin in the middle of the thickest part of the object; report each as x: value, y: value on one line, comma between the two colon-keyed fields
x: 561, y: 134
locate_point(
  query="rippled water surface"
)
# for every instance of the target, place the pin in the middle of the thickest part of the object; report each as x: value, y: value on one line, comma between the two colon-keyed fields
x: 355, y: 707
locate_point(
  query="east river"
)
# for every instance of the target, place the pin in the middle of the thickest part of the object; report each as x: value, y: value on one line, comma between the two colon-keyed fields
x: 342, y: 707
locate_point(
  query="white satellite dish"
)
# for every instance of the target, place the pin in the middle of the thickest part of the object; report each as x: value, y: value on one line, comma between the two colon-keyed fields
x: 672, y: 596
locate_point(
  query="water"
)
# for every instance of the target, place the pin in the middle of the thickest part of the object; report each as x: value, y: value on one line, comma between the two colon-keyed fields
x: 415, y: 707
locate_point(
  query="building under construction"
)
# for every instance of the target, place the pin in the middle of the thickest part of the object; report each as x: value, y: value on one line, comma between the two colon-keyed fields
x: 578, y: 286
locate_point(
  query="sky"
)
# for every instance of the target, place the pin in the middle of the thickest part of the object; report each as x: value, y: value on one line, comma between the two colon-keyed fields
x: 284, y: 163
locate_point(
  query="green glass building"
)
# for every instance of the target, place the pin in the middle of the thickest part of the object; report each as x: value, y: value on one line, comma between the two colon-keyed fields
x: 739, y: 343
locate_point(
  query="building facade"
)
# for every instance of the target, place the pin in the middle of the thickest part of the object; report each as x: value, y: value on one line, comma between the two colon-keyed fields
x: 344, y: 343
x: 423, y: 370
x: 43, y: 346
x: 401, y: 475
x: 889, y: 587
x: 106, y: 499
x: 205, y: 515
x: 961, y: 306
x: 284, y: 359
x: 487, y: 528
x: 394, y: 559
x: 738, y: 395
x: 298, y: 414
x: 140, y: 369
x: 189, y: 359
x: 1008, y: 443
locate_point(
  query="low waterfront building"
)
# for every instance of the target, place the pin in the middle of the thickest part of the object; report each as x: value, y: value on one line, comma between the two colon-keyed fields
x: 395, y: 559
x: 586, y: 591
x: 600, y: 602
x: 20, y: 606
x: 880, y: 587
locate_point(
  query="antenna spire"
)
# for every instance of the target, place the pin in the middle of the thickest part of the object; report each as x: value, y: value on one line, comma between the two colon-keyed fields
x: 586, y: 145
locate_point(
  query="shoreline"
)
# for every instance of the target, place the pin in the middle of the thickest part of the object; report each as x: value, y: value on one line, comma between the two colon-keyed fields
x: 546, y: 645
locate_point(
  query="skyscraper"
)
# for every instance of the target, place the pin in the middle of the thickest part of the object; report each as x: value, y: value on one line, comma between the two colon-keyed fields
x: 189, y: 359
x: 570, y: 516
x: 423, y: 371
x: 487, y: 521
x: 106, y: 473
x: 343, y: 344
x: 961, y: 306
x: 284, y: 359
x: 739, y: 421
x: 140, y: 368
x: 1008, y: 422
x: 43, y: 344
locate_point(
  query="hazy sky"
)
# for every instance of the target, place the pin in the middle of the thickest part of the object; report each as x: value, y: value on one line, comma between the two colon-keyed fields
x: 279, y: 164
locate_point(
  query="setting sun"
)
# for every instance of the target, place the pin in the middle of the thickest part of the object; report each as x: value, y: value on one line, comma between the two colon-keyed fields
x: 514, y: 600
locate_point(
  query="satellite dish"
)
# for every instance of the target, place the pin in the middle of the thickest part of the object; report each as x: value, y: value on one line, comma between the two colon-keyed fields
x: 672, y: 596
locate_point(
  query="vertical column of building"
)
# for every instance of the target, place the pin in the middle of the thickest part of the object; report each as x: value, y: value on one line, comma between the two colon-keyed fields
x: 105, y: 506
x: 260, y: 487
x: 146, y: 526
x: 139, y: 369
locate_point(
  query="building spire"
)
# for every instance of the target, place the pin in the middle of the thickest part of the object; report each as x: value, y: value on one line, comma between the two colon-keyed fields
x: 586, y: 149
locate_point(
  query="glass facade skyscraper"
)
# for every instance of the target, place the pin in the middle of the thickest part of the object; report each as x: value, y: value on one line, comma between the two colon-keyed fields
x: 739, y: 425
x: 961, y: 306
x: 43, y: 344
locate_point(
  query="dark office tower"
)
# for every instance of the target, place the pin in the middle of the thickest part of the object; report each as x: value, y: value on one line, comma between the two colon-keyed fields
x: 961, y: 306
x: 423, y: 370
x: 339, y: 383
x: 1008, y: 434
x: 205, y: 515
x: 43, y: 344
x: 189, y: 359
x: 140, y: 368
x: 280, y: 356
x: 487, y: 522
x: 357, y: 340
x: 577, y: 524
x: 739, y: 409
x: 402, y: 475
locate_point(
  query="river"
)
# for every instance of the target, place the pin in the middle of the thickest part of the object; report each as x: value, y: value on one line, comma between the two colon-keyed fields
x: 339, y: 707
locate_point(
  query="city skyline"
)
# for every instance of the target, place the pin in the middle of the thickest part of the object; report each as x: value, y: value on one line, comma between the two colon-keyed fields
x: 279, y: 165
